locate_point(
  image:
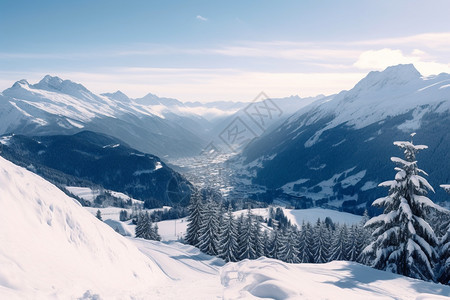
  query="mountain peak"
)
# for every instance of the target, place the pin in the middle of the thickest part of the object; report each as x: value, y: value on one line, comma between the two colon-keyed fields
x: 55, y: 83
x: 50, y: 81
x: 118, y: 95
x: 151, y: 99
x: 20, y: 83
x: 393, y: 75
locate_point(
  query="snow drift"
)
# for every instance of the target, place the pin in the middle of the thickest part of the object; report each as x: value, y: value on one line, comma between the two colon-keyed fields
x: 51, y: 247
x: 272, y: 279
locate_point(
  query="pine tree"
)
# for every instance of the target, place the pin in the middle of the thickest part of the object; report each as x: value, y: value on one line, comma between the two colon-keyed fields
x: 99, y: 215
x: 123, y: 216
x: 246, y: 242
x: 403, y: 241
x: 267, y: 242
x: 139, y: 230
x: 258, y: 239
x: 228, y: 245
x: 154, y: 233
x: 208, y: 239
x: 444, y: 251
x: 321, y: 248
x: 277, y: 242
x: 289, y: 250
x: 444, y: 247
x: 340, y: 246
x: 305, y: 241
x: 194, y: 219
x: 144, y: 227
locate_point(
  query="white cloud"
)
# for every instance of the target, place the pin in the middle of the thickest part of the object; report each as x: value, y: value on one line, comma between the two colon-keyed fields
x: 198, y: 17
x: 206, y: 84
x: 381, y: 59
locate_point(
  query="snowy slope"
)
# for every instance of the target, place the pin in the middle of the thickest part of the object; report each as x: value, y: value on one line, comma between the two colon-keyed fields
x: 51, y: 247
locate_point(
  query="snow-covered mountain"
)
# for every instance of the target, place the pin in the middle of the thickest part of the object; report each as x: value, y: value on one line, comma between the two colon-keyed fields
x: 56, y: 106
x: 336, y: 150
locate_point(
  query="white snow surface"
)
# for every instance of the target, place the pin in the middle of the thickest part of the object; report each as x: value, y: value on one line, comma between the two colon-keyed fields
x: 52, y: 248
x: 271, y: 279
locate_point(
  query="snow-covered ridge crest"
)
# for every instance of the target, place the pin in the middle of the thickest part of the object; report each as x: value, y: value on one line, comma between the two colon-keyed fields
x: 50, y: 245
x: 395, y: 91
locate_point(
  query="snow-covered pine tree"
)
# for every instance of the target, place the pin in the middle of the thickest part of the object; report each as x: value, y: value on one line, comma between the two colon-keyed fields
x: 147, y: 227
x: 228, y: 245
x: 444, y: 253
x: 144, y: 226
x: 139, y: 230
x: 444, y: 248
x: 403, y: 241
x: 246, y: 242
x: 208, y: 239
x: 340, y: 244
x: 321, y: 248
x: 258, y: 239
x: 355, y: 243
x: 305, y: 241
x: 267, y: 243
x: 194, y: 219
x: 289, y: 250
x: 98, y: 215
x: 154, y: 233
x: 277, y: 242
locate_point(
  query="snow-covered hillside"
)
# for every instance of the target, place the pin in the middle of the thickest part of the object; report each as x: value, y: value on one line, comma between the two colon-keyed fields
x: 52, y: 248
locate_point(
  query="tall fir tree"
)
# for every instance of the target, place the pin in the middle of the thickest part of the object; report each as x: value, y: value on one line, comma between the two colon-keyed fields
x: 267, y: 243
x: 258, y: 239
x: 246, y: 241
x: 444, y: 254
x: 305, y: 242
x: 340, y: 245
x: 139, y: 230
x: 404, y: 243
x: 444, y: 246
x: 321, y: 248
x: 228, y: 245
x: 289, y: 250
x: 194, y: 219
x: 208, y: 239
x: 277, y: 242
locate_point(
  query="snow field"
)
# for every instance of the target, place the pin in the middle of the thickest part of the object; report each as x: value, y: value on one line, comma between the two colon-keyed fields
x: 51, y: 247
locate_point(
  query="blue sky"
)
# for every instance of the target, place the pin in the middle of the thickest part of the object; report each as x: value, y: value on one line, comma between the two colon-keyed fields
x: 227, y: 50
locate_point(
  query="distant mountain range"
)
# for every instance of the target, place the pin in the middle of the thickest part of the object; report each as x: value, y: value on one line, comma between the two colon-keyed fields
x: 56, y: 106
x: 335, y: 151
x: 162, y: 126
x: 327, y: 151
x: 89, y: 158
